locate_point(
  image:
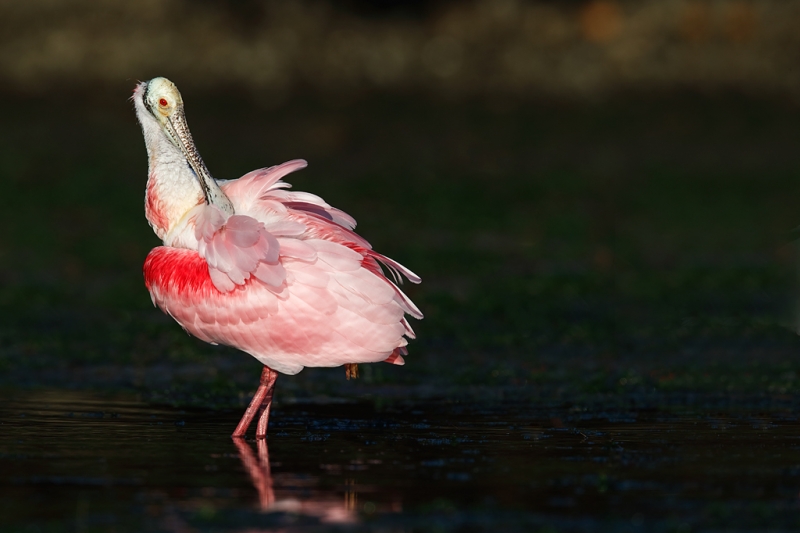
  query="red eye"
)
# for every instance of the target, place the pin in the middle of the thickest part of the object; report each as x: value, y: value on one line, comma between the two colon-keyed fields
x: 163, y: 102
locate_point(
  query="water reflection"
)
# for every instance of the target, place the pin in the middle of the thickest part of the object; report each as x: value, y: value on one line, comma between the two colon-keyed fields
x: 73, y: 462
x: 259, y: 470
x: 328, y: 508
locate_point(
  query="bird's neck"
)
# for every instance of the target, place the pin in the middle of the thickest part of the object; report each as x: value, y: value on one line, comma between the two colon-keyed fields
x: 172, y: 187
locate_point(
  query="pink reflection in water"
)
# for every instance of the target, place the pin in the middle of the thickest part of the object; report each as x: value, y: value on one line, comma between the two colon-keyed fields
x: 328, y: 508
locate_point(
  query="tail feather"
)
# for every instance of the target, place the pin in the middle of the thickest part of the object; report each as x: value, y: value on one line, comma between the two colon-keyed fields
x: 396, y: 358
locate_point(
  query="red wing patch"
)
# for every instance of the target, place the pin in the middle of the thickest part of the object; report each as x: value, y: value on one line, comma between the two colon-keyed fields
x: 177, y: 270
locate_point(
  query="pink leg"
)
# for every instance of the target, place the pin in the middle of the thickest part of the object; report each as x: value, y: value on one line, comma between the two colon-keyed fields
x: 261, y: 427
x: 261, y: 400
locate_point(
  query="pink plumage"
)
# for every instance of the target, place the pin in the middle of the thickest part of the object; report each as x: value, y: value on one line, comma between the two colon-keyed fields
x: 251, y: 264
x: 282, y: 281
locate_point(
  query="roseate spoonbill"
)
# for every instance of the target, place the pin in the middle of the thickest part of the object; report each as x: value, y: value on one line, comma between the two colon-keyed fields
x: 248, y: 263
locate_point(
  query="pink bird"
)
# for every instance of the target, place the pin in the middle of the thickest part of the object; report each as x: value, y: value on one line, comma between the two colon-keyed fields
x: 248, y: 263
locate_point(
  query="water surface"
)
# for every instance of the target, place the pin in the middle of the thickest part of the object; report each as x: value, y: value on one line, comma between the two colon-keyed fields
x: 78, y: 462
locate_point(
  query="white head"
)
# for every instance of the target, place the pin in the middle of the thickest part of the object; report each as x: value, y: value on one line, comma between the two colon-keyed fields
x: 159, y: 103
x: 162, y: 100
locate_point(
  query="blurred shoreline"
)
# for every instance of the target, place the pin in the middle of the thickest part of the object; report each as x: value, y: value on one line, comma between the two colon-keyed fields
x: 488, y: 48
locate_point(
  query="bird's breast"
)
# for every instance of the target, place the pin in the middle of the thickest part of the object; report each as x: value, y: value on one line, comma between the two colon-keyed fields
x: 171, y: 192
x: 155, y: 211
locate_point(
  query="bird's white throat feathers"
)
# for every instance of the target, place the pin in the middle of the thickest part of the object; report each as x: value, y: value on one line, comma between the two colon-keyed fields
x: 173, y: 188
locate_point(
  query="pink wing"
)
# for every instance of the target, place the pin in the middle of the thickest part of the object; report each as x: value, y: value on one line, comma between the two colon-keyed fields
x: 240, y: 246
x: 286, y: 280
x: 262, y: 192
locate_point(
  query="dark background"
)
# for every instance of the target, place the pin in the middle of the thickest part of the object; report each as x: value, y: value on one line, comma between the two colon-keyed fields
x: 599, y: 196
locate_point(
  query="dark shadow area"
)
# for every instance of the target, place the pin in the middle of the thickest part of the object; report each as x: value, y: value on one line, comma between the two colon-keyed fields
x: 646, y: 237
